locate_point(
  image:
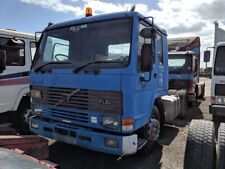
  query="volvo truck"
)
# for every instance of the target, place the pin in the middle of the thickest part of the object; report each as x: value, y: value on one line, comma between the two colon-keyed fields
x: 97, y: 82
x: 184, y: 67
x: 16, y: 52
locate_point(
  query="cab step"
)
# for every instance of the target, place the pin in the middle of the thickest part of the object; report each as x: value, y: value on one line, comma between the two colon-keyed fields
x: 141, y: 143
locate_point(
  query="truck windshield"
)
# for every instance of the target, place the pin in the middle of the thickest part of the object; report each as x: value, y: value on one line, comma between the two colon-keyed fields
x: 180, y: 63
x: 220, y: 61
x: 105, y: 41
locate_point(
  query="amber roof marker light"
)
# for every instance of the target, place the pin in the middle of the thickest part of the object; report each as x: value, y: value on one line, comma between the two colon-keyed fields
x: 88, y: 11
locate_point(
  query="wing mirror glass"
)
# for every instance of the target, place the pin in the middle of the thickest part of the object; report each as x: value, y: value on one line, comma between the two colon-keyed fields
x: 148, y: 32
x: 207, y: 56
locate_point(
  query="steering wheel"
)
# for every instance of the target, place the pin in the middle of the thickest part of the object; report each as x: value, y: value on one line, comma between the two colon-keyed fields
x: 62, y: 55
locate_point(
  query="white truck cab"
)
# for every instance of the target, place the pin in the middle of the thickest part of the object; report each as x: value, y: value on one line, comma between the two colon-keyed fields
x: 217, y: 106
x: 16, y: 53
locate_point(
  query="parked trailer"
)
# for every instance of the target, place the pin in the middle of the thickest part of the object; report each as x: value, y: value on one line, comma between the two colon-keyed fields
x: 103, y: 93
x: 23, y: 151
x: 16, y: 159
x: 16, y: 52
x: 184, y: 67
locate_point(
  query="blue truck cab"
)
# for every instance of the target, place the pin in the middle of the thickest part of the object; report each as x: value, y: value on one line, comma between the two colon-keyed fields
x: 97, y: 82
x: 184, y: 67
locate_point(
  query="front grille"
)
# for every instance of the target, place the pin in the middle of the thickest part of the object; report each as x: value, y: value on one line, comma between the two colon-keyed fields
x: 89, y: 100
x: 179, y: 84
x: 69, y: 115
x: 220, y: 90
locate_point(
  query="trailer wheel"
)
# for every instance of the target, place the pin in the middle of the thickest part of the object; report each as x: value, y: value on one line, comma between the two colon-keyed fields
x: 22, y: 116
x: 200, y: 147
x: 221, y: 147
x: 151, y: 132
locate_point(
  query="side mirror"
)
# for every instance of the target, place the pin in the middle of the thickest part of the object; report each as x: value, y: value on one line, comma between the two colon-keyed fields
x: 2, y: 60
x: 207, y: 56
x: 146, y: 58
x: 148, y: 33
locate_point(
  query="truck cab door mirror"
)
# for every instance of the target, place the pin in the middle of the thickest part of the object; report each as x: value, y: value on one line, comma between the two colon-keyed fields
x: 148, y: 32
x: 206, y: 56
x: 2, y: 60
x: 146, y: 58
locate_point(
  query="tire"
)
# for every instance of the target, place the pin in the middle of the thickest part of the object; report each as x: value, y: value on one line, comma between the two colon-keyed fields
x: 221, y: 147
x: 21, y: 122
x: 147, y: 149
x: 202, y: 92
x: 172, y: 92
x: 200, y: 147
x: 183, y: 103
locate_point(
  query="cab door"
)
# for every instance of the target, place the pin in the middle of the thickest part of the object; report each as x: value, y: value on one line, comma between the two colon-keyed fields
x: 161, y: 79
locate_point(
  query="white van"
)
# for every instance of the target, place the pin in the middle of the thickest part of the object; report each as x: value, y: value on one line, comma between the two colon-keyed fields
x: 217, y: 106
x: 16, y: 53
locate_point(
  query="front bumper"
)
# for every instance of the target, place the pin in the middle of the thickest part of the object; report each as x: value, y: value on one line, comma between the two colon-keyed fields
x: 218, y: 110
x: 85, y: 138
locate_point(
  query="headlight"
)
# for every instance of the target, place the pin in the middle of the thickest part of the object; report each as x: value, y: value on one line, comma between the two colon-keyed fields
x: 36, y: 94
x: 219, y: 100
x: 110, y: 122
x: 37, y: 109
x: 34, y: 125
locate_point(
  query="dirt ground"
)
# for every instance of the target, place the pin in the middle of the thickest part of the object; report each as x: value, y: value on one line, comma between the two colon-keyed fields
x: 168, y: 154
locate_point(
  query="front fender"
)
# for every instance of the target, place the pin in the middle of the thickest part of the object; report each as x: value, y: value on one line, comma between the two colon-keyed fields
x: 23, y: 92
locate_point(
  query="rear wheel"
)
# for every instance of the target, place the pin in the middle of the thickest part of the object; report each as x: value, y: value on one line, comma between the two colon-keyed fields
x: 221, y: 147
x: 151, y: 132
x: 200, y: 147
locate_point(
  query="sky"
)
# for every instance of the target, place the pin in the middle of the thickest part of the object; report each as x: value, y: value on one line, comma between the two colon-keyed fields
x: 178, y: 17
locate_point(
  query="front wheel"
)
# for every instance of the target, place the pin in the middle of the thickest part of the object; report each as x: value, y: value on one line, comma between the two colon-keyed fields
x: 22, y: 117
x: 151, y: 132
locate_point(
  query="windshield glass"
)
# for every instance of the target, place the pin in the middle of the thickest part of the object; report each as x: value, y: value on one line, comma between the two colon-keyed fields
x: 220, y: 61
x: 105, y: 41
x: 180, y: 63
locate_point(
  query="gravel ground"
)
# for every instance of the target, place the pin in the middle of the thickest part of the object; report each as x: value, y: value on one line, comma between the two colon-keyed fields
x: 168, y: 154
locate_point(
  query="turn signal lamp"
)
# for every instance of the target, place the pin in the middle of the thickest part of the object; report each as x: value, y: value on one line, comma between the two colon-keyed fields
x: 88, y: 12
x: 127, y: 124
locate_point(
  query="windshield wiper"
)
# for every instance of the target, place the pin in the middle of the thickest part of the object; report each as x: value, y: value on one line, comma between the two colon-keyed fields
x: 49, y: 63
x: 91, y: 63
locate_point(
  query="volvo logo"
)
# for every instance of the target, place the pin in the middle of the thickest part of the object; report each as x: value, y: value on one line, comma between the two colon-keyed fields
x: 66, y: 97
x: 105, y: 101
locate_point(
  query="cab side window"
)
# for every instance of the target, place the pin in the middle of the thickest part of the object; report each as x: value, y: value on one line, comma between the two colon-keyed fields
x: 15, y: 51
x: 159, y: 42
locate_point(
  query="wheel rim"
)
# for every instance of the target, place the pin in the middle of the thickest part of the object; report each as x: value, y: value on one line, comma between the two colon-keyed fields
x: 154, y: 129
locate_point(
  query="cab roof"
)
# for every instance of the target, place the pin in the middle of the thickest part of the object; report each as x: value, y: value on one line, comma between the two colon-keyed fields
x: 14, y: 33
x: 184, y: 43
x: 102, y: 17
